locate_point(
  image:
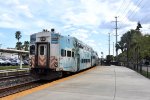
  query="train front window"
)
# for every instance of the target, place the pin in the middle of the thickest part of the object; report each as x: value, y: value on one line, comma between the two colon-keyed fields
x: 41, y: 50
x: 32, y: 50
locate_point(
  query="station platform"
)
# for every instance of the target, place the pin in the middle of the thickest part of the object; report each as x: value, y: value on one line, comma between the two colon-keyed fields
x: 98, y: 83
x: 13, y: 72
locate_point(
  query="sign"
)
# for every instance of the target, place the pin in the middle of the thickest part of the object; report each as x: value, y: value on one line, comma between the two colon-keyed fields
x: 54, y: 38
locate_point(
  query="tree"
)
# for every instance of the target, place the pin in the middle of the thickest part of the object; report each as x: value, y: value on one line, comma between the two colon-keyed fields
x: 138, y: 26
x: 129, y: 45
x: 19, y: 45
x: 120, y: 45
x: 117, y: 47
x: 26, y: 45
x: 109, y: 58
x: 18, y: 35
x: 145, y: 48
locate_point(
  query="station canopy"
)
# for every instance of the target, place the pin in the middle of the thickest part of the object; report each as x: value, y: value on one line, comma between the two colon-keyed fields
x: 14, y: 51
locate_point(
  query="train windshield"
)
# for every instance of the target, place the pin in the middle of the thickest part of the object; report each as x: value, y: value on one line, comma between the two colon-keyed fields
x: 32, y: 50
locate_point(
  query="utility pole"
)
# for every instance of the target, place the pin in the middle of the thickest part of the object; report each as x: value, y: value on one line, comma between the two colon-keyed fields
x: 0, y: 46
x: 101, y: 58
x: 109, y: 43
x: 116, y: 34
x: 113, y: 48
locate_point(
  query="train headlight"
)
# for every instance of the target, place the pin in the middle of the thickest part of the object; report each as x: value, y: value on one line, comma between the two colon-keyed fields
x: 59, y: 69
x: 42, y: 38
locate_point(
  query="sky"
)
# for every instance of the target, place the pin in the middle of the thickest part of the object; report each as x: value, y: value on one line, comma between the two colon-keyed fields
x: 88, y: 20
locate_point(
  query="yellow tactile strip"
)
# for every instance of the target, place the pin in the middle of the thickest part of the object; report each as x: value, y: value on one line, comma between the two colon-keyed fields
x: 26, y: 92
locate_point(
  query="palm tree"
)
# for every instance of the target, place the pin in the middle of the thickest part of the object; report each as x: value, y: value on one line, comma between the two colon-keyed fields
x: 26, y: 45
x: 120, y: 45
x: 18, y: 35
x: 19, y: 45
x: 117, y: 47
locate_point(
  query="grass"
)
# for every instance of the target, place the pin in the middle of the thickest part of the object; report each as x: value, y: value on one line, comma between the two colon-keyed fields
x: 145, y: 73
x: 13, y: 67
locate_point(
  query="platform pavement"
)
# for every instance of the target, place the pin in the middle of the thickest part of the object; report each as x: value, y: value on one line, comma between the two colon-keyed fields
x: 100, y: 83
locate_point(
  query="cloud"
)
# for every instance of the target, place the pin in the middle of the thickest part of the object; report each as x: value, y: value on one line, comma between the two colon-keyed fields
x: 1, y: 35
x: 86, y: 37
x: 88, y: 20
x: 80, y: 34
x: 25, y: 10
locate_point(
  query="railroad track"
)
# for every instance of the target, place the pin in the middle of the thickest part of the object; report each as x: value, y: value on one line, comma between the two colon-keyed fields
x: 16, y: 76
x: 13, y: 84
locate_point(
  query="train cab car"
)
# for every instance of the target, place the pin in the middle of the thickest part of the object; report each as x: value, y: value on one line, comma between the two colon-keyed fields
x: 51, y: 54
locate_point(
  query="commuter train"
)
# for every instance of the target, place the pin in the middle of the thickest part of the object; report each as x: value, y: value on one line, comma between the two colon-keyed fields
x: 52, y: 55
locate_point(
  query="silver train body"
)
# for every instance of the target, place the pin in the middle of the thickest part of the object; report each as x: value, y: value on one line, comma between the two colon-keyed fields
x: 52, y: 54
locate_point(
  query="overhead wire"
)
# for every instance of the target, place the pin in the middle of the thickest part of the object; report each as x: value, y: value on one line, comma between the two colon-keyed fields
x: 127, y: 13
x: 142, y: 19
x: 121, y: 6
x: 126, y: 8
x: 133, y: 12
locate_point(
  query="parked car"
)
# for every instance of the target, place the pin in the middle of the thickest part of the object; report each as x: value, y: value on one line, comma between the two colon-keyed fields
x: 2, y: 62
x: 8, y: 62
x: 15, y: 62
x: 25, y: 62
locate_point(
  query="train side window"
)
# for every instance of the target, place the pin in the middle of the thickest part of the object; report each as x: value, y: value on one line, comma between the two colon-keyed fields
x: 93, y: 57
x: 72, y: 54
x: 32, y: 50
x: 41, y: 50
x: 63, y: 52
x: 82, y: 61
x: 68, y: 53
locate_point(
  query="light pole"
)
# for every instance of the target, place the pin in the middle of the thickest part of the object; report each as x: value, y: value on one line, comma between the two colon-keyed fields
x: 0, y: 46
x: 101, y: 57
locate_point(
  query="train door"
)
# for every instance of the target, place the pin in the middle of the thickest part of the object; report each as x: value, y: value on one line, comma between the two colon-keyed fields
x: 78, y: 62
x: 42, y: 54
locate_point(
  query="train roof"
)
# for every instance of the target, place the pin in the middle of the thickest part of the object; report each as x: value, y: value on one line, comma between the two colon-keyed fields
x: 77, y: 40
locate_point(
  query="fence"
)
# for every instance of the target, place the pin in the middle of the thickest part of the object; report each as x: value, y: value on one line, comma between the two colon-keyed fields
x: 142, y: 69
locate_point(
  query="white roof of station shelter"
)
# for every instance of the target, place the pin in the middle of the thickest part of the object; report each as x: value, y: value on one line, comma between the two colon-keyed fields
x: 14, y: 51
